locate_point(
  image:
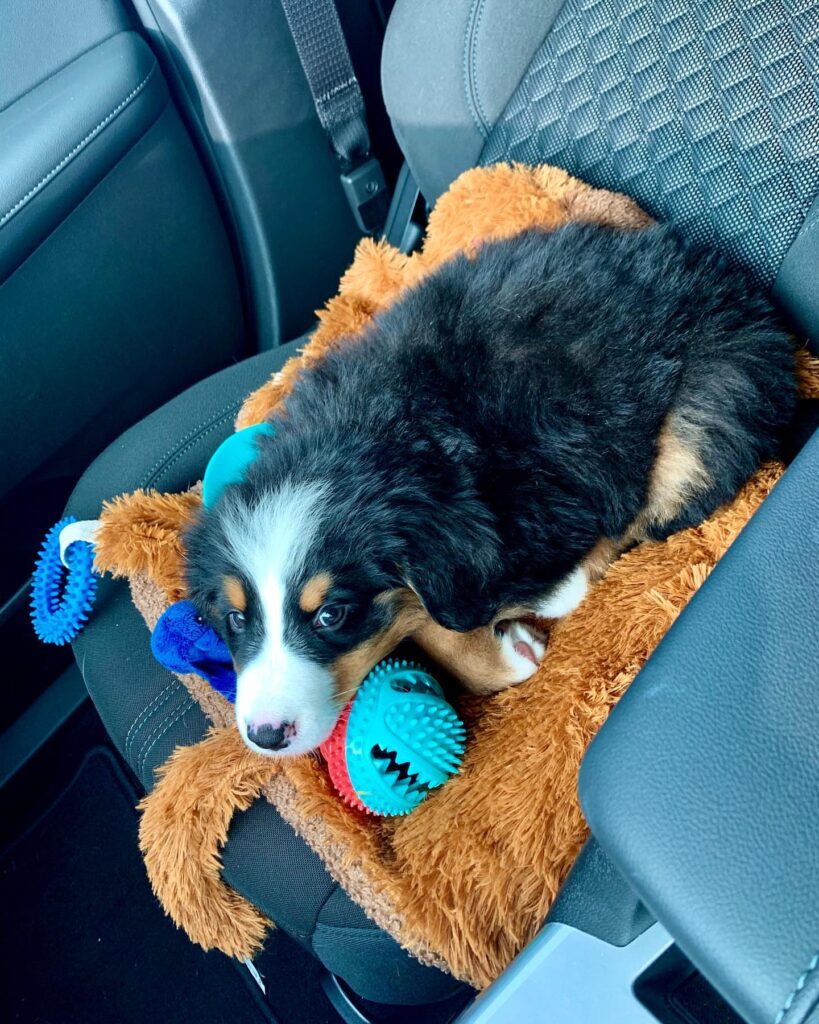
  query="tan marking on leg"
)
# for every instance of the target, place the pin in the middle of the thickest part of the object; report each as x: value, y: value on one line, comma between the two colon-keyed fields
x: 234, y: 591
x: 678, y: 474
x: 600, y: 558
x: 476, y: 658
x: 314, y: 592
x: 350, y: 669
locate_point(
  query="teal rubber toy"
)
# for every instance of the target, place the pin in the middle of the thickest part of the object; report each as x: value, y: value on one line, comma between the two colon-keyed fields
x: 403, y: 738
x: 230, y: 461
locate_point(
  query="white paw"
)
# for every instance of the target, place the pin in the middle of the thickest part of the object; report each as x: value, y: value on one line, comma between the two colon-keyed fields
x: 522, y: 647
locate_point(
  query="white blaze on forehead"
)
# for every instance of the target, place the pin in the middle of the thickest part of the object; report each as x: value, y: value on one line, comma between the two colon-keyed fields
x: 270, y: 541
x: 273, y: 535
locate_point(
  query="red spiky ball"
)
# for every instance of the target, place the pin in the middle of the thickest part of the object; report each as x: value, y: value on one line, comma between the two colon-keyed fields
x: 334, y: 751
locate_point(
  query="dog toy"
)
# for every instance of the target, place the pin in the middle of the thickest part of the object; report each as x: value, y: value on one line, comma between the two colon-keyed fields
x: 64, y: 584
x: 182, y: 642
x: 230, y: 461
x: 396, y: 740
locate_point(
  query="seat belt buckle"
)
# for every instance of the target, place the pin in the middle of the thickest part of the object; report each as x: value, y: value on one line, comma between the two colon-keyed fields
x: 367, y: 194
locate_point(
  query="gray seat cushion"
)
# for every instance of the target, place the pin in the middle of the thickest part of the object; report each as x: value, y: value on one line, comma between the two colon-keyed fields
x: 448, y: 71
x: 148, y: 712
x: 706, y: 113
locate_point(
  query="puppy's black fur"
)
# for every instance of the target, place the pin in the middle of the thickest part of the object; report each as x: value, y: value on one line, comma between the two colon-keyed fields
x: 490, y: 427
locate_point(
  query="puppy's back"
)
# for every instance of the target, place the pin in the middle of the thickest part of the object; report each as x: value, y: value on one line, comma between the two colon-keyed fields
x: 561, y: 367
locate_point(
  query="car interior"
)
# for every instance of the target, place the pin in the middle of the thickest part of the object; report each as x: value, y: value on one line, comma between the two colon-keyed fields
x: 182, y: 186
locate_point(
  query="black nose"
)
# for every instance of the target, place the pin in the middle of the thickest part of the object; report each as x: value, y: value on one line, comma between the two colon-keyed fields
x: 268, y: 738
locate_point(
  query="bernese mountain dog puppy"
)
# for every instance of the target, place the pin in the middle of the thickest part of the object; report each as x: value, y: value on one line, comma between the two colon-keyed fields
x: 479, y: 454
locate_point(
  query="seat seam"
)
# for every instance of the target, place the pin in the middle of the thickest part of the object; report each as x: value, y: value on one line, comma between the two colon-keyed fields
x: 77, y: 149
x: 373, y: 929
x: 800, y: 984
x: 811, y: 224
x: 181, y: 712
x: 148, y: 716
x: 335, y: 886
x: 183, y: 442
x: 62, y: 67
x: 160, y: 731
x: 177, y: 455
x: 470, y: 67
x: 157, y: 702
x: 156, y: 726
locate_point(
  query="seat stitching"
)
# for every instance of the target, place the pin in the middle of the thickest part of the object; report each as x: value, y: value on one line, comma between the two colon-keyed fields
x: 156, y: 726
x: 352, y: 929
x: 800, y: 984
x: 145, y: 712
x: 185, y: 437
x: 78, y: 148
x: 470, y: 64
x: 182, y: 711
x: 155, y: 470
x: 53, y: 74
x: 160, y: 731
x: 184, y: 448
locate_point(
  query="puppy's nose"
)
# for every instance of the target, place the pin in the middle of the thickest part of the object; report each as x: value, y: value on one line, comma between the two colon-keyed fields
x: 269, y: 736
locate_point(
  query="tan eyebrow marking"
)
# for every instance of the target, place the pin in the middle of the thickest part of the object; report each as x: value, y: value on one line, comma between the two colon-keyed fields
x: 234, y: 591
x: 314, y: 592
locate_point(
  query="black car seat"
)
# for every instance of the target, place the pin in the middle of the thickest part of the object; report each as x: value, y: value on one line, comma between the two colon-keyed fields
x: 705, y: 111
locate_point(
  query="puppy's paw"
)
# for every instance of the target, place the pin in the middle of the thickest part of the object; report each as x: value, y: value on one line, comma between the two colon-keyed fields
x: 522, y: 647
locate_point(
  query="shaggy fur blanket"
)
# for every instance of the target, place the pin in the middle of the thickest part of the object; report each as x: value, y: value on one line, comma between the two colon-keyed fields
x: 466, y: 880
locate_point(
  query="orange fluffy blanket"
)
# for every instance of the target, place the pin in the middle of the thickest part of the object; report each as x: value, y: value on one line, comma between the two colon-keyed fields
x: 467, y: 878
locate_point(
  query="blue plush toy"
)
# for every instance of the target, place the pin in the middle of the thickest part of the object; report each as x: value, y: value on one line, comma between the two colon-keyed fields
x: 183, y: 643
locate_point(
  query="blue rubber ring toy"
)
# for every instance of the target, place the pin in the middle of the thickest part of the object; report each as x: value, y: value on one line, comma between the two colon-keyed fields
x: 62, y: 599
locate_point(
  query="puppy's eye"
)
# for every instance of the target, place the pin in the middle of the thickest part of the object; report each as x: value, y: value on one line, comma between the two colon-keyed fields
x: 330, y: 616
x: 236, y: 622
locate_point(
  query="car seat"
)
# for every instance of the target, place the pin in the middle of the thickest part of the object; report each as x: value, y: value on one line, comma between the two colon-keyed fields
x: 705, y: 111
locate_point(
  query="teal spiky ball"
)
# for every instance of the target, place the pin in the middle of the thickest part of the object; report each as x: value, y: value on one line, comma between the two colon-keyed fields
x: 402, y: 738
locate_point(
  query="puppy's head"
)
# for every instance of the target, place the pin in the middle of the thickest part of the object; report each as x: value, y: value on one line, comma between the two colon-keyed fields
x: 305, y: 617
x: 314, y: 567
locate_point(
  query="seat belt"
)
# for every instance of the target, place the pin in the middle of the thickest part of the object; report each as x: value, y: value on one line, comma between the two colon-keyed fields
x: 339, y: 104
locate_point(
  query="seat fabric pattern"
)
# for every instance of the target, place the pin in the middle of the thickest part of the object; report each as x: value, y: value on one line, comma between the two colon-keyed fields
x: 704, y: 111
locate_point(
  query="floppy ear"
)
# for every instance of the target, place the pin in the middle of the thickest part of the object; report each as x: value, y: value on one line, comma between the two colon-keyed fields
x: 452, y: 566
x: 449, y: 599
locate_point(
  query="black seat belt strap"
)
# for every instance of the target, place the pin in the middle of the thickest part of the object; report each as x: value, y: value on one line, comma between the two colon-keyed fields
x: 339, y: 104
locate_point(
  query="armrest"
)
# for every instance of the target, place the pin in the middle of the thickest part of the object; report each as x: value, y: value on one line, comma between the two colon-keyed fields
x: 703, y: 786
